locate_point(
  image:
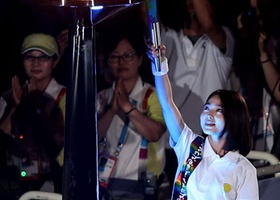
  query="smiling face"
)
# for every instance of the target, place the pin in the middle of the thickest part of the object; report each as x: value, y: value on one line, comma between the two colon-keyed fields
x: 124, y: 62
x: 212, y: 119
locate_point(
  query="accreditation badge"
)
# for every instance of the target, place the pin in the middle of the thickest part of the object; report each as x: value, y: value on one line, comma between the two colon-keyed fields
x: 106, y: 165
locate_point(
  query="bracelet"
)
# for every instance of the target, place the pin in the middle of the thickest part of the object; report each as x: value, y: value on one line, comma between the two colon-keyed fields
x: 133, y: 108
x: 265, y: 61
x: 164, y: 69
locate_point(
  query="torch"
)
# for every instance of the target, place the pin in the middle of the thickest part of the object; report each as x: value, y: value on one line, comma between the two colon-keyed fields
x: 154, y: 29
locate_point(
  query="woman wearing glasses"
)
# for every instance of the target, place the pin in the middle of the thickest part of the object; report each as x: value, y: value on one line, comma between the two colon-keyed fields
x: 32, y: 115
x: 130, y: 123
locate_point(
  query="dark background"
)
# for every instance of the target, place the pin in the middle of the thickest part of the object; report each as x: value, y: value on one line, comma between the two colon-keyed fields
x: 18, y: 19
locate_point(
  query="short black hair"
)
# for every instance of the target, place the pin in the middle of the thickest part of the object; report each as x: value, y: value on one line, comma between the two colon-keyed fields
x: 134, y: 31
x: 237, y: 121
x: 134, y: 37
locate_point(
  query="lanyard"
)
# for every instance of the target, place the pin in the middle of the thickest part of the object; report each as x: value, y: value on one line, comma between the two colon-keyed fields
x: 124, y: 132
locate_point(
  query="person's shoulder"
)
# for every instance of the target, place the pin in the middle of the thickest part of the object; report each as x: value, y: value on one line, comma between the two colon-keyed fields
x: 7, y: 95
x: 62, y: 94
x: 245, y: 163
x: 55, y: 83
x: 149, y: 88
x: 149, y: 85
x: 106, y: 90
x: 227, y: 30
x: 106, y: 93
x: 170, y: 31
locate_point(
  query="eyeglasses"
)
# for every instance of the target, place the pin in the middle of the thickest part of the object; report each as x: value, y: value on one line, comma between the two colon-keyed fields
x: 125, y: 57
x: 43, y: 58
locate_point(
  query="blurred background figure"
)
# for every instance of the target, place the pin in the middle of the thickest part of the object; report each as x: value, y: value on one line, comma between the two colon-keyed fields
x: 257, y: 16
x: 269, y: 52
x: 201, y: 53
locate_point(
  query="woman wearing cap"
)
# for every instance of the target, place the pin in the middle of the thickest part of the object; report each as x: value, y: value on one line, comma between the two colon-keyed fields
x: 33, y: 114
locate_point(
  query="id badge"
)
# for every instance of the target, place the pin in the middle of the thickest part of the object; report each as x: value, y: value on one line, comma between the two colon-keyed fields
x: 106, y: 165
x: 30, y: 166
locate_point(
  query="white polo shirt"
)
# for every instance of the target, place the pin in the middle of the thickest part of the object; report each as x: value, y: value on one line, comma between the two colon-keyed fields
x: 230, y: 177
x: 195, y: 71
x: 128, y: 163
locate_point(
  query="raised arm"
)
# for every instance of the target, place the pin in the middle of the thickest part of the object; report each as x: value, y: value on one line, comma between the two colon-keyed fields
x: 270, y: 71
x: 205, y: 14
x: 172, y: 116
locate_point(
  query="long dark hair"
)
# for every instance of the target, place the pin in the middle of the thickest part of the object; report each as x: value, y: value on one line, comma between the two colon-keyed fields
x: 237, y: 121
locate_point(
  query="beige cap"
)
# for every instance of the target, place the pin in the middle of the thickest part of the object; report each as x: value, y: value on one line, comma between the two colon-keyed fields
x: 40, y: 41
